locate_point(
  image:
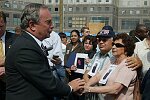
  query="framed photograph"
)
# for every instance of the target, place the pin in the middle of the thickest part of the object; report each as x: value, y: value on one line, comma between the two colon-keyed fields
x: 80, y: 62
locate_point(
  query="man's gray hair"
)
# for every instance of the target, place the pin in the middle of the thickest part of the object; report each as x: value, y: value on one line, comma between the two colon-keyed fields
x: 31, y: 12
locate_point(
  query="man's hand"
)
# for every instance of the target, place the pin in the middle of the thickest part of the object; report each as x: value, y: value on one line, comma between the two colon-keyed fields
x: 77, y: 84
x: 134, y: 62
x: 56, y: 61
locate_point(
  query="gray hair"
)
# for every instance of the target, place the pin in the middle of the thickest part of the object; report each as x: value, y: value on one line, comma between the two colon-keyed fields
x: 31, y: 12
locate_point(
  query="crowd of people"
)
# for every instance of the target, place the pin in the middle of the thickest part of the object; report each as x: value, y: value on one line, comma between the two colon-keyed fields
x: 34, y: 61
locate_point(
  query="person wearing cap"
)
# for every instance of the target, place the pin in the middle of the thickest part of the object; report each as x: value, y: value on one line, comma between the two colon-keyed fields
x: 105, y: 40
x: 115, y: 79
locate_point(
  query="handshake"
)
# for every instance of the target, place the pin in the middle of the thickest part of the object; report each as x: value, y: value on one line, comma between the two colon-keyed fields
x: 78, y: 86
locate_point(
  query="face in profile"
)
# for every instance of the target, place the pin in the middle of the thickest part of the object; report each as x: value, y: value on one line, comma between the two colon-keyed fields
x: 45, y: 26
x: 118, y: 48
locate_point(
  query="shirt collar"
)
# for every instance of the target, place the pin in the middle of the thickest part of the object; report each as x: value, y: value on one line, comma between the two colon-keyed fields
x: 3, y: 37
x: 109, y: 54
x: 36, y: 39
x: 146, y: 44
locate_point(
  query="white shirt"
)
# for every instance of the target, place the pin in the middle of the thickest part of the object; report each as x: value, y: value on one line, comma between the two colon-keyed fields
x: 55, y: 42
x: 143, y: 51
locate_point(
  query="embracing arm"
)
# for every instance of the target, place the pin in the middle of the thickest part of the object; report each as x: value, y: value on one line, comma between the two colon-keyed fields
x: 134, y: 62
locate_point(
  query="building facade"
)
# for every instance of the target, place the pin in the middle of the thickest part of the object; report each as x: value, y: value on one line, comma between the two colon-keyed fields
x: 123, y: 15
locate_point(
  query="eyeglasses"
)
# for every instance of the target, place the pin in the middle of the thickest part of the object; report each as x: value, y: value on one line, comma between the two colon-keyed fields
x: 118, y: 45
x: 103, y: 39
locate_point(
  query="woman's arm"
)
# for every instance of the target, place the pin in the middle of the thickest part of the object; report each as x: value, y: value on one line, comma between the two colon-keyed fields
x: 112, y: 89
x: 86, y: 76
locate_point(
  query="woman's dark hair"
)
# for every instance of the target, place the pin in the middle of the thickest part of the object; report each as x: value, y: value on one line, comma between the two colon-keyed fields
x: 92, y: 40
x: 62, y: 35
x: 127, y: 41
x: 77, y: 32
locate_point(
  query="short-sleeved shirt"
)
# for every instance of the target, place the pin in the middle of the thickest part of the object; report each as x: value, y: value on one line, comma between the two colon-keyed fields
x: 103, y: 59
x: 143, y: 51
x: 124, y: 75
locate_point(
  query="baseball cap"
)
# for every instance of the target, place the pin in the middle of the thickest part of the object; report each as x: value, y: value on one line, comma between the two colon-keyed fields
x: 107, y: 27
x: 105, y: 34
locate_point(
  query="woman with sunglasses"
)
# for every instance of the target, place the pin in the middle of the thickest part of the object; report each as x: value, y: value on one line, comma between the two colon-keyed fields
x: 116, y: 79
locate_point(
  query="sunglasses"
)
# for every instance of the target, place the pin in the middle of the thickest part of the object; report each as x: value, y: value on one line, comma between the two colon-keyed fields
x: 118, y: 45
x: 103, y: 39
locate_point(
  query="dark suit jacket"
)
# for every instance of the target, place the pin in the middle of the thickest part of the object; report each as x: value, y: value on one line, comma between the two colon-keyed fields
x: 9, y: 40
x: 29, y: 76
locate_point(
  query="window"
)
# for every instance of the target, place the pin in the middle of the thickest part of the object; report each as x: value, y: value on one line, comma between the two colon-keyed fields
x: 56, y: 21
x: 145, y: 3
x: 50, y: 9
x: 107, y: 0
x: 14, y: 5
x: 131, y: 12
x: 147, y: 22
x: 100, y: 19
x: 77, y: 9
x: 20, y: 2
x: 7, y: 4
x: 56, y: 1
x: 77, y: 22
x: 145, y: 11
x: 84, y: 9
x: 123, y: 12
x: 16, y: 19
x: 69, y: 21
x: 92, y: 9
x: 56, y: 9
x: 137, y: 12
x: 50, y: 1
x: 106, y: 8
x: 77, y: 0
x: 99, y: 8
x: 70, y: 8
x: 7, y: 18
x: 85, y: 0
x: 129, y: 23
x: 99, y: 0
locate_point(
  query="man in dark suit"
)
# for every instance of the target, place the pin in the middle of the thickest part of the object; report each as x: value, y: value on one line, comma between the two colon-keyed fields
x: 29, y: 76
x: 6, y: 39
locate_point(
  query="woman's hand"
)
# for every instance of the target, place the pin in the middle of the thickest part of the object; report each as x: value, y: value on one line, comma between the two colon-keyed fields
x: 87, y: 60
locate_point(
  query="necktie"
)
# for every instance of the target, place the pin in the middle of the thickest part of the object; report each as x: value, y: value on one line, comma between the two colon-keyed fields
x: 44, y: 49
x: 1, y: 49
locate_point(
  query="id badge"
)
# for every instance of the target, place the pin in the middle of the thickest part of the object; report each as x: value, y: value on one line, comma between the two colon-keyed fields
x: 94, y: 68
x: 107, y: 74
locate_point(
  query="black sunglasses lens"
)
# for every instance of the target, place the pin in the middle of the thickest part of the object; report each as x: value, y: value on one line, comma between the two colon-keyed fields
x: 103, y: 39
x: 118, y: 45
